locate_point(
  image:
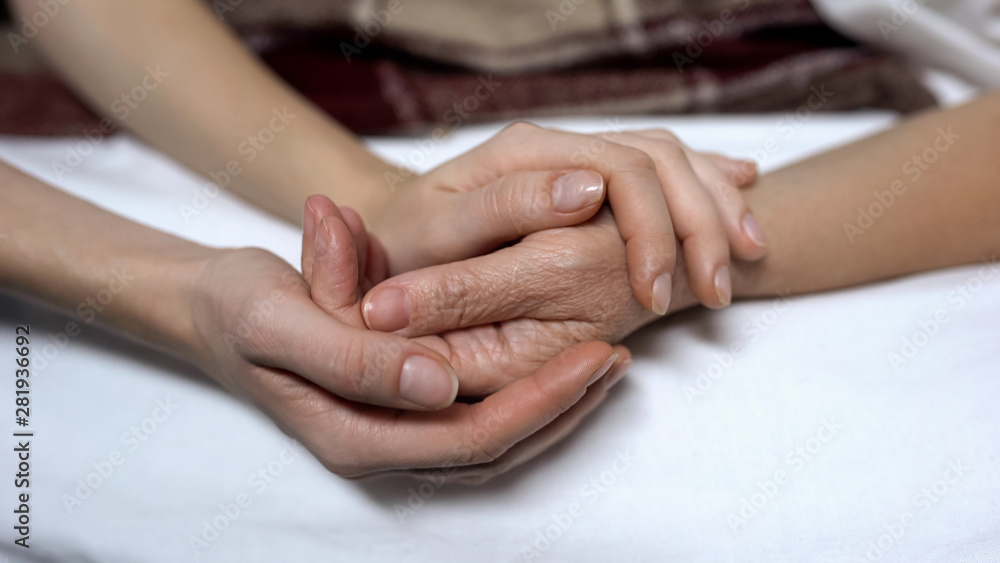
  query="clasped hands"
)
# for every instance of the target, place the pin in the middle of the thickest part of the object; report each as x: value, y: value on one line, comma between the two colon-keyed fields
x: 501, y: 277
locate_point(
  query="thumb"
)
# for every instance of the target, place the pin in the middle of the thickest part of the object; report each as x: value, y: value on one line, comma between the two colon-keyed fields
x: 354, y: 363
x: 335, y: 269
x: 522, y: 203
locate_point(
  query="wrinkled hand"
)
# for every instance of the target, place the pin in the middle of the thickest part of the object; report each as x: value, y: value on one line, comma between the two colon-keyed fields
x: 504, y: 314
x: 529, y: 178
x: 297, y: 348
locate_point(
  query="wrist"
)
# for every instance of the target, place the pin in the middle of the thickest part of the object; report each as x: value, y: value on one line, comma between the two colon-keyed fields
x: 162, y: 313
x: 322, y: 159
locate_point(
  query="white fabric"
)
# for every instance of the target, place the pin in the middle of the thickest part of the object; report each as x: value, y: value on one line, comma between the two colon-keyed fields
x: 962, y: 37
x: 815, y: 363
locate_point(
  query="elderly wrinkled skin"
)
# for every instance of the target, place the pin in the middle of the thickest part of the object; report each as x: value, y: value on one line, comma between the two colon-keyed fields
x: 558, y: 287
x: 302, y: 360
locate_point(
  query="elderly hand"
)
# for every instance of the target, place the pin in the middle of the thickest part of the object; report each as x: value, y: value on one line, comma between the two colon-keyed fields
x: 528, y: 178
x: 297, y: 347
x: 503, y: 315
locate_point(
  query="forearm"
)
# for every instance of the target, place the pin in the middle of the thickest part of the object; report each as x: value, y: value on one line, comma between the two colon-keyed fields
x: 929, y: 189
x: 206, y: 100
x: 97, y: 265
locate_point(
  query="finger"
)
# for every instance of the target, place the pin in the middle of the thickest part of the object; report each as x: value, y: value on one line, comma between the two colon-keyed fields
x: 520, y: 203
x: 310, y: 222
x: 355, y: 364
x: 378, y: 262
x: 696, y: 220
x: 740, y: 173
x: 633, y: 188
x: 534, y: 445
x: 745, y: 235
x: 467, y: 434
x: 452, y: 296
x: 555, y: 432
x: 335, y: 272
x: 506, y: 284
x: 721, y: 176
x: 359, y: 234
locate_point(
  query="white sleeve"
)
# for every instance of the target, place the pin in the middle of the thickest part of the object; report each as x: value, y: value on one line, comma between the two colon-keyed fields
x: 959, y: 36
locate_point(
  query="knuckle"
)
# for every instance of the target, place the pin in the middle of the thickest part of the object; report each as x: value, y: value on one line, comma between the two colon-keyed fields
x: 496, y: 202
x: 484, y: 442
x: 533, y: 200
x: 355, y: 366
x: 662, y: 134
x: 487, y: 451
x: 669, y: 135
x: 457, y: 296
x: 669, y: 155
x: 348, y: 452
x: 342, y: 468
x: 729, y: 194
x: 631, y: 157
x: 519, y: 128
x: 253, y: 333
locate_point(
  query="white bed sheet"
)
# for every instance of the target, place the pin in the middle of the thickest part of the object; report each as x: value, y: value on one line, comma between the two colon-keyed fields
x: 815, y: 375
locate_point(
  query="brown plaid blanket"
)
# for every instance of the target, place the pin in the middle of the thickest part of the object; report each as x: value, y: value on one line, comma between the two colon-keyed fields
x: 395, y: 65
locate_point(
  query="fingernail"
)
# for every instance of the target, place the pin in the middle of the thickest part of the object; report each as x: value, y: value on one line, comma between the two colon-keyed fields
x: 387, y: 310
x: 427, y: 383
x: 662, y: 288
x: 723, y: 286
x: 577, y: 190
x: 753, y: 230
x: 603, y: 369
x: 618, y: 374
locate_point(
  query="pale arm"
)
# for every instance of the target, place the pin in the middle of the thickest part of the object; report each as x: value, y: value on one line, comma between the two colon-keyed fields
x: 948, y: 214
x: 568, y: 284
x: 170, y: 72
x: 209, y: 101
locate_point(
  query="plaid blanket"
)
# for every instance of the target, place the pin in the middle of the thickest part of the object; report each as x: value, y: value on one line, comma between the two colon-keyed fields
x: 404, y: 65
